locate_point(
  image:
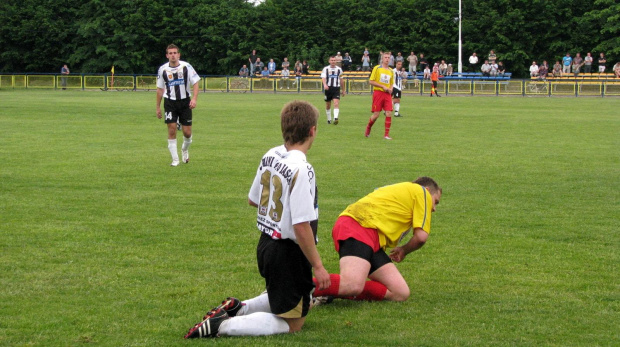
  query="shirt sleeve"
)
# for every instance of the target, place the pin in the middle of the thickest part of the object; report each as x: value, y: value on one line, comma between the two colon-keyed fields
x: 302, y: 196
x: 160, y: 79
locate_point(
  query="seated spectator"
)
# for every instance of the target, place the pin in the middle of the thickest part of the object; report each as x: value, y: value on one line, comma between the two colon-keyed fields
x: 534, y: 69
x: 427, y: 73
x: 617, y: 69
x: 244, y: 72
x: 258, y: 66
x: 265, y: 72
x: 557, y: 69
x: 450, y: 70
x: 501, y: 69
x: 305, y: 68
x: 443, y: 68
x: 271, y: 66
x: 486, y: 69
x: 346, y: 62
x: 543, y: 69
x: 297, y: 66
x: 494, y: 69
x: 285, y: 74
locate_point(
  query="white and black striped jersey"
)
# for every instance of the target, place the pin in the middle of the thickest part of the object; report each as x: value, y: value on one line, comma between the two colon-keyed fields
x: 399, y: 76
x: 332, y: 75
x: 177, y: 81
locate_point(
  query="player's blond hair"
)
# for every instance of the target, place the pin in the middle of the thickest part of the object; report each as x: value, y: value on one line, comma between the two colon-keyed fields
x: 297, y: 118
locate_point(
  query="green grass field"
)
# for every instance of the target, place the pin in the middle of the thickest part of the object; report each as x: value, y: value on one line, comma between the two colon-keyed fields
x: 103, y: 243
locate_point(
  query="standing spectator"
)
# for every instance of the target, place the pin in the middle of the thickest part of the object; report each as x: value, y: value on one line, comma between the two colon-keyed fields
x: 271, y: 66
x: 473, y: 62
x: 366, y: 51
x: 177, y: 83
x: 399, y: 57
x: 286, y: 251
x: 492, y: 57
x: 298, y: 72
x: 434, y: 81
x: 285, y: 64
x: 381, y: 79
x: 380, y: 60
x: 413, y: 62
x: 443, y: 68
x: 332, y: 81
x: 617, y: 70
x: 486, y: 69
x: 346, y: 62
x: 450, y: 70
x: 338, y: 60
x: 400, y: 75
x: 305, y: 68
x: 252, y: 61
x: 423, y: 62
x: 365, y: 62
x: 501, y: 69
x: 601, y: 62
x: 543, y: 70
x: 566, y: 63
x: 534, y: 69
x: 588, y: 63
x: 391, y: 62
x: 577, y: 63
x: 64, y: 71
x: 243, y: 72
x: 258, y: 66
x: 557, y: 69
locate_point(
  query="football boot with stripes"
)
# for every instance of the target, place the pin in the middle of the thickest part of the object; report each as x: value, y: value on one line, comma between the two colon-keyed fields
x: 210, y: 326
x: 230, y: 305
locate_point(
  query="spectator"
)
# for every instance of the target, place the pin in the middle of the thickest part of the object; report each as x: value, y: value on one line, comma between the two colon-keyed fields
x: 450, y: 70
x: 494, y: 68
x: 501, y: 69
x: 285, y: 64
x: 243, y: 72
x: 617, y: 70
x: 285, y: 74
x: 271, y: 66
x: 427, y: 72
x: 64, y: 71
x: 588, y: 63
x: 265, y: 72
x: 601, y: 62
x: 577, y: 63
x: 252, y: 61
x: 298, y: 66
x: 399, y: 57
x: 298, y: 72
x: 557, y: 69
x: 534, y: 69
x: 305, y: 68
x: 380, y: 57
x: 366, y: 62
x: 391, y: 62
x: 492, y: 57
x: 258, y: 67
x: 443, y: 68
x: 543, y: 70
x: 413, y: 62
x: 338, y: 60
x: 423, y: 63
x: 366, y: 52
x: 473, y: 61
x: 566, y: 63
x: 346, y: 62
x: 486, y: 69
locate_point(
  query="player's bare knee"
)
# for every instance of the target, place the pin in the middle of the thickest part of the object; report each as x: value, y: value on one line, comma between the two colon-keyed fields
x: 401, y: 295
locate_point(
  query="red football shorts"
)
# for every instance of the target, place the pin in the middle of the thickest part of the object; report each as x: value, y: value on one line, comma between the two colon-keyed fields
x: 347, y: 227
x: 381, y: 101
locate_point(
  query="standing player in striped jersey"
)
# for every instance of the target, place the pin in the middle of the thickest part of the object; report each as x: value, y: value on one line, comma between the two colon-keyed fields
x: 367, y: 227
x: 397, y: 88
x: 332, y: 81
x: 175, y: 79
x: 382, y: 79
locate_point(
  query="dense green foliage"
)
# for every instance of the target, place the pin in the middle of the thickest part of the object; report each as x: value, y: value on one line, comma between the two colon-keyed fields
x: 216, y: 36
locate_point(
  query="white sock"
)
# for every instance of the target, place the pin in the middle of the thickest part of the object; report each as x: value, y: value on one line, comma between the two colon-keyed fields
x: 397, y: 107
x: 336, y: 111
x: 186, y: 142
x: 256, y: 324
x: 172, y: 147
x: 257, y: 304
x: 329, y: 114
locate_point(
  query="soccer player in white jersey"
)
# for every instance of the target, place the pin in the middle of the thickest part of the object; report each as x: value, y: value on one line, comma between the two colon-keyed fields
x: 284, y: 192
x: 397, y: 88
x: 332, y: 82
x: 177, y: 83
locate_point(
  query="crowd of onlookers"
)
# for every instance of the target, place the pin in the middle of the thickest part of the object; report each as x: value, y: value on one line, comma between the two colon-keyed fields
x: 420, y: 65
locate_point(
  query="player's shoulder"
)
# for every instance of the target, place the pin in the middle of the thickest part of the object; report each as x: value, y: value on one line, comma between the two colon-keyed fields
x: 163, y: 66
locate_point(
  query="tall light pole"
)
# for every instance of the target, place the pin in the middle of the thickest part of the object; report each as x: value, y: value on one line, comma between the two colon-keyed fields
x: 460, y: 42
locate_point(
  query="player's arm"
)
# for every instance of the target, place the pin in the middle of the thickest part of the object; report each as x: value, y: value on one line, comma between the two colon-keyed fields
x: 252, y: 203
x: 416, y: 242
x: 305, y: 239
x: 343, y: 86
x: 325, y: 86
x: 195, y: 90
x: 160, y: 94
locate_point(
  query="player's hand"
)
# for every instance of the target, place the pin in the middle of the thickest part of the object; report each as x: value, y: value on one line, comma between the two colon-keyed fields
x: 397, y: 254
x: 322, y: 278
x: 326, y: 87
x: 158, y: 112
x: 192, y: 104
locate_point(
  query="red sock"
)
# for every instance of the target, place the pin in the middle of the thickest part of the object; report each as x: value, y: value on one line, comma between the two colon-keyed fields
x: 388, y: 124
x: 373, y: 291
x: 333, y: 288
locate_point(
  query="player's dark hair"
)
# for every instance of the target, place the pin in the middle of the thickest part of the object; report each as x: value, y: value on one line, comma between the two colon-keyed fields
x: 429, y: 183
x: 172, y: 46
x: 297, y: 118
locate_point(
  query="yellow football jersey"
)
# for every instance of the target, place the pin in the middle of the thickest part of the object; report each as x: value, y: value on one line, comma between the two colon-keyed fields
x: 393, y: 210
x: 382, y: 76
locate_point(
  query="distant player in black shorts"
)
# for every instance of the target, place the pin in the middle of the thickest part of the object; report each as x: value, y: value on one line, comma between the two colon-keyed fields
x: 174, y: 80
x: 397, y: 89
x: 332, y: 83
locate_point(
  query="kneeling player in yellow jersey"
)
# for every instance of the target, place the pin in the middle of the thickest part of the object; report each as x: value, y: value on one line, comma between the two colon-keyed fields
x: 367, y: 227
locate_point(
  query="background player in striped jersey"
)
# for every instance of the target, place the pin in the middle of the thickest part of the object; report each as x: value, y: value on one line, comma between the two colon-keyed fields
x: 382, y: 79
x: 399, y: 76
x: 177, y: 83
x: 332, y: 82
x: 367, y: 227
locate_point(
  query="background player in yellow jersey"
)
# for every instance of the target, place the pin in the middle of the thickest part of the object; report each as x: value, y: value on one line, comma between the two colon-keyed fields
x: 367, y: 227
x: 382, y: 79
